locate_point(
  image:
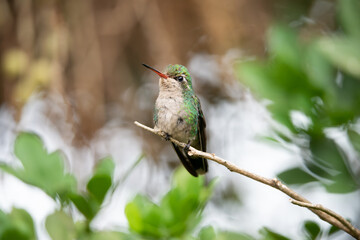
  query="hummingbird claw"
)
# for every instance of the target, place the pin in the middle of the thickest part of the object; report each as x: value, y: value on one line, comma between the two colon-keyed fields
x: 167, y: 136
x: 187, y: 147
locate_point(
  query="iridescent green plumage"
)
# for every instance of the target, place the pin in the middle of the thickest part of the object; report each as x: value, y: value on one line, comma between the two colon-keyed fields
x: 177, y: 70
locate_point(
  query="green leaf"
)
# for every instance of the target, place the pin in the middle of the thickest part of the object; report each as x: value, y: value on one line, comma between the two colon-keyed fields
x: 332, y: 230
x: 107, y: 235
x: 354, y: 139
x: 179, y: 211
x: 101, y: 181
x: 320, y: 72
x: 89, y: 203
x: 296, y: 176
x: 267, y: 234
x: 17, y: 225
x: 283, y: 45
x: 105, y: 166
x: 207, y: 233
x: 41, y: 169
x: 98, y: 186
x: 327, y: 156
x: 144, y: 217
x: 23, y: 221
x: 233, y: 236
x: 84, y: 206
x: 60, y: 226
x: 134, y: 214
x: 312, y: 230
x: 342, y: 52
x: 350, y: 18
x: 13, y: 233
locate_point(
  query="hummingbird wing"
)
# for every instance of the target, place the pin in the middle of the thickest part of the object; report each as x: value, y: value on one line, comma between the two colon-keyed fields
x: 195, y: 165
x: 201, y: 164
x: 185, y: 160
x: 201, y: 129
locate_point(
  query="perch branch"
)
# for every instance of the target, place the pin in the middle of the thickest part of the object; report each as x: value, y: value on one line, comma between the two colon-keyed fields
x: 323, y: 213
x: 325, y: 210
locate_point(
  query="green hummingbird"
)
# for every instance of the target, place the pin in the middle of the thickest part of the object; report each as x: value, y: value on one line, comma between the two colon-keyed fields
x: 178, y: 113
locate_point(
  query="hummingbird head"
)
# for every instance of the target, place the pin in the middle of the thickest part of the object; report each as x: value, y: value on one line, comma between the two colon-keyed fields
x: 175, y: 77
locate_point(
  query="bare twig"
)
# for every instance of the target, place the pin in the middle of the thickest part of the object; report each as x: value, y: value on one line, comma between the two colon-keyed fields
x: 326, y: 210
x: 325, y: 214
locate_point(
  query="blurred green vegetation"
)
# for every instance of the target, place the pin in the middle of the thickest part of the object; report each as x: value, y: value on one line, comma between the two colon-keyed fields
x: 319, y: 78
x: 177, y: 215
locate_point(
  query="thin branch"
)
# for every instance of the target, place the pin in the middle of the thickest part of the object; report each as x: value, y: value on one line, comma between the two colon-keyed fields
x: 326, y: 210
x: 327, y: 215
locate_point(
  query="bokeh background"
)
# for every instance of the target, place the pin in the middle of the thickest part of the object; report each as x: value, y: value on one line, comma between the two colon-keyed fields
x: 71, y: 72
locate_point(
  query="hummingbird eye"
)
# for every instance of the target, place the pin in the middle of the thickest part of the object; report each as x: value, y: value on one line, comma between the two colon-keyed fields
x: 179, y: 78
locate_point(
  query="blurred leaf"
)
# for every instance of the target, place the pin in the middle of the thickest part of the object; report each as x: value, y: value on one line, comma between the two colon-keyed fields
x: 296, y: 176
x: 144, y: 217
x: 84, y: 206
x: 332, y: 230
x: 12, y: 171
x: 179, y: 211
x: 16, y: 225
x: 312, y: 230
x: 344, y: 107
x: 89, y: 203
x: 105, y: 166
x: 13, y: 233
x: 326, y: 154
x: 267, y: 234
x: 354, y: 139
x: 207, y: 233
x: 343, y: 52
x: 41, y: 169
x: 283, y: 45
x: 101, y: 181
x: 111, y: 236
x: 60, y: 226
x: 320, y: 72
x: 257, y: 77
x: 233, y: 236
x: 350, y: 18
x: 284, y: 78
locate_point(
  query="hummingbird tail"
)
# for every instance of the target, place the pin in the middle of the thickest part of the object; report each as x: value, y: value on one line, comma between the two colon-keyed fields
x: 194, y: 165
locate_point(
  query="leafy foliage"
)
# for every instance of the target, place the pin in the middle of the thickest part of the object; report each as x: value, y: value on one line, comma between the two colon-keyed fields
x: 47, y: 172
x: 319, y: 78
x: 178, y: 212
x: 40, y: 168
x: 89, y: 203
x: 176, y: 216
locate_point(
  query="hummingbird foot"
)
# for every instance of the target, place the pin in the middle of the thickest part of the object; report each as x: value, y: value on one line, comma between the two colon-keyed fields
x: 163, y: 134
x: 167, y: 136
x: 187, y: 147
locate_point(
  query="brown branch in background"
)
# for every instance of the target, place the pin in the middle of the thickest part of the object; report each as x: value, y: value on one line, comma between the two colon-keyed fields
x: 323, y: 213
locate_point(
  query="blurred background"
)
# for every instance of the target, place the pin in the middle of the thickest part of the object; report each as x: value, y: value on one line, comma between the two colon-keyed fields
x: 71, y: 72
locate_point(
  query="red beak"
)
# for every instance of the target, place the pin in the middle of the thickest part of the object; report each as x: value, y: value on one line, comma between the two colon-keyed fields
x: 163, y: 75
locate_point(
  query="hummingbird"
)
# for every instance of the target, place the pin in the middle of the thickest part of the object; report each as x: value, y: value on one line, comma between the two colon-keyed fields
x: 178, y: 114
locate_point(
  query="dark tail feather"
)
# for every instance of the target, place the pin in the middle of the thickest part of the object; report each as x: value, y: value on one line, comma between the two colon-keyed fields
x: 194, y: 165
